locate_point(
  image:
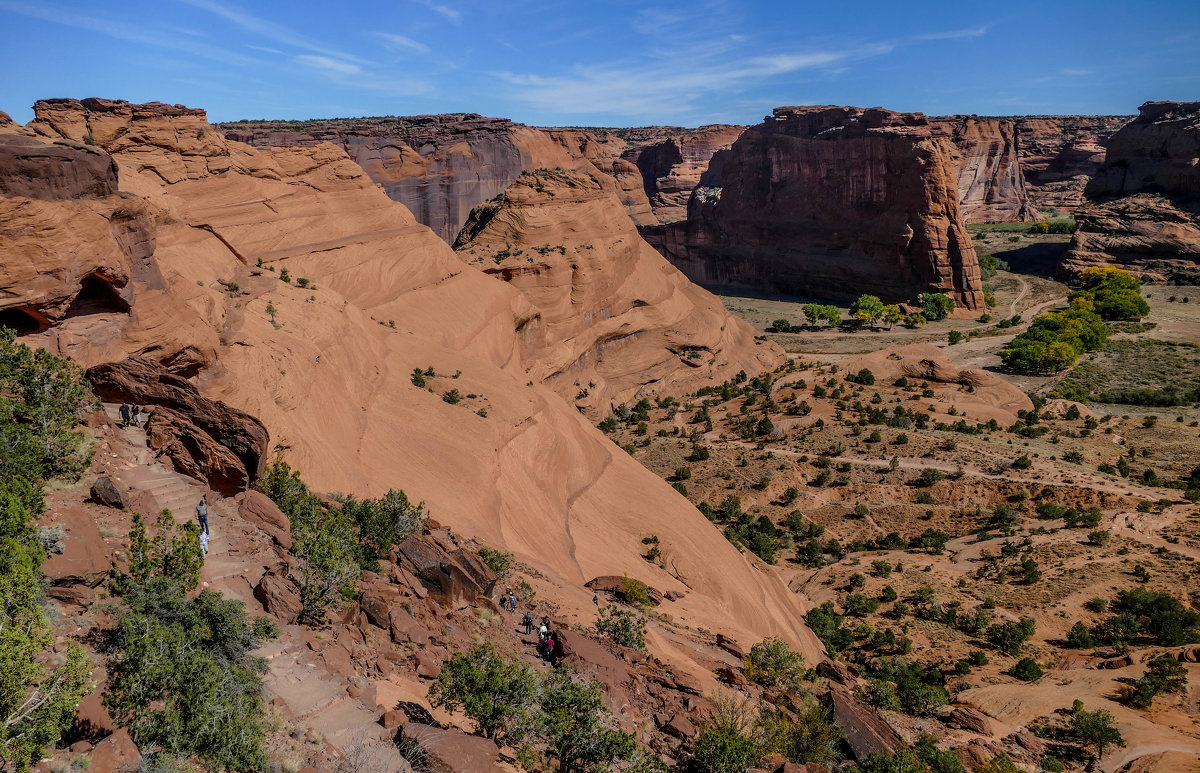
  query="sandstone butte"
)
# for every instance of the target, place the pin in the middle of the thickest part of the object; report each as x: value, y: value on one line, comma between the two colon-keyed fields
x: 1143, y: 206
x: 991, y: 187
x: 832, y: 202
x: 168, y: 268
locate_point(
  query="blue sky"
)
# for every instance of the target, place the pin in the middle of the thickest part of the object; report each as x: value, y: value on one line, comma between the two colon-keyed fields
x: 615, y: 63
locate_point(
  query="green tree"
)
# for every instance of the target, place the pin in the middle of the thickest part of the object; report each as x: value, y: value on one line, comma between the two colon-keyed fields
x: 773, y: 663
x: 936, y: 305
x: 781, y: 326
x: 625, y: 627
x: 867, y: 309
x: 385, y: 522
x: 1095, y: 729
x: 576, y: 727
x: 494, y: 692
x: 726, y: 742
x: 809, y: 735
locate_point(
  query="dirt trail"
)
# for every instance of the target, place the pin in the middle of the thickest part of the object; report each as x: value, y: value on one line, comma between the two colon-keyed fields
x: 1143, y: 527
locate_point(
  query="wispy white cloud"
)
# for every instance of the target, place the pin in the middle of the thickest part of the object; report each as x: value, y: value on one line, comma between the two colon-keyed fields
x: 452, y: 14
x: 394, y: 41
x: 328, y: 64
x: 270, y: 30
x: 1075, y: 72
x: 972, y: 32
x: 266, y: 50
x: 672, y: 86
x: 141, y: 34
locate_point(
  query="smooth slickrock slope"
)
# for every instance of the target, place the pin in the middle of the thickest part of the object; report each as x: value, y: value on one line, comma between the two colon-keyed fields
x: 326, y: 368
x: 991, y: 188
x: 1060, y: 153
x: 620, y: 322
x: 1143, y: 205
x: 832, y: 202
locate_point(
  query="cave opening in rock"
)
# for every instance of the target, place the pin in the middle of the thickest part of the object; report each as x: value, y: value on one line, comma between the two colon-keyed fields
x: 97, y: 296
x: 20, y: 321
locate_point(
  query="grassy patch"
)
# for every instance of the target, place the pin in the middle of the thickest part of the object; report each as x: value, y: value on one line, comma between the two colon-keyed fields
x: 1149, y: 372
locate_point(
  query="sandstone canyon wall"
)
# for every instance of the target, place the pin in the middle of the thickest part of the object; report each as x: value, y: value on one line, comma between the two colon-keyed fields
x: 991, y: 187
x: 1059, y: 154
x: 832, y: 202
x: 1142, y: 209
x: 183, y: 266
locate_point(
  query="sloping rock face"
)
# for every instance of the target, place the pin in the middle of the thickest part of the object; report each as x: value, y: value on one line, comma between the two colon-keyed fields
x: 620, y: 322
x: 438, y: 166
x: 991, y: 188
x: 832, y: 202
x: 326, y: 365
x: 672, y: 161
x: 1143, y: 205
x: 1060, y: 153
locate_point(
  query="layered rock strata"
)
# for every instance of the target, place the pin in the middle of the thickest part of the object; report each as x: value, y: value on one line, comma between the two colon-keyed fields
x: 832, y: 202
x: 991, y: 187
x: 1059, y: 154
x: 1143, y: 206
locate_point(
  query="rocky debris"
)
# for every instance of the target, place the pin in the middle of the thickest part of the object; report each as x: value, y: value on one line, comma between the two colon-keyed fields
x: 454, y: 579
x: 863, y: 728
x: 731, y: 646
x: 991, y: 187
x: 54, y: 171
x: 404, y: 628
x: 970, y: 718
x: 679, y: 726
x: 1059, y: 154
x: 205, y: 438
x: 837, y: 671
x: 257, y: 509
x: 732, y: 676
x: 115, y: 754
x: 450, y: 751
x: 777, y: 764
x: 278, y: 595
x: 1142, y: 209
x: 833, y: 202
x: 105, y: 492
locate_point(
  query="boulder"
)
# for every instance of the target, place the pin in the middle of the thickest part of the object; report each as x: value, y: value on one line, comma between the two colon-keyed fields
x: 33, y: 168
x: 278, y: 595
x: 731, y: 646
x: 863, y: 728
x: 105, y: 492
x: 680, y: 726
x: 206, y: 438
x: 92, y: 720
x: 732, y: 676
x: 969, y: 718
x: 611, y: 583
x: 450, y: 751
x: 427, y: 665
x: 257, y: 508
x: 405, y: 628
x: 453, y: 579
x: 86, y: 558
x: 393, y: 718
x: 837, y: 671
x: 115, y: 754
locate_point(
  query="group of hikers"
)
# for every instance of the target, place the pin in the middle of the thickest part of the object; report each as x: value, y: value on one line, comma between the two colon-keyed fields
x: 132, y: 416
x: 549, y: 643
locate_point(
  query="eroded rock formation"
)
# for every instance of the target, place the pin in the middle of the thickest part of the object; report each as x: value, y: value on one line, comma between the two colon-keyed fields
x: 203, y: 230
x: 991, y: 188
x: 1060, y: 153
x: 832, y: 202
x: 1143, y: 206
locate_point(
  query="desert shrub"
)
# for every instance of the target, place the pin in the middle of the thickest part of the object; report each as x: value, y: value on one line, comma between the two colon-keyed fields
x: 183, y: 678
x: 574, y: 725
x: 499, y: 561
x: 807, y: 735
x: 1095, y: 728
x: 635, y: 592
x: 497, y: 693
x: 781, y: 326
x: 1163, y: 674
x: 1158, y: 618
x: 727, y: 741
x: 624, y: 627
x: 772, y: 662
x: 1027, y: 670
x: 1010, y: 636
x: 936, y: 306
x: 174, y: 552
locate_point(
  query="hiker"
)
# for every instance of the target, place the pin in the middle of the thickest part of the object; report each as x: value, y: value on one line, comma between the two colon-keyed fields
x: 544, y: 631
x: 202, y: 515
x: 126, y: 416
x: 596, y: 599
x: 204, y: 544
x: 556, y: 649
x: 139, y: 418
x: 512, y: 602
x: 527, y: 621
x: 543, y: 645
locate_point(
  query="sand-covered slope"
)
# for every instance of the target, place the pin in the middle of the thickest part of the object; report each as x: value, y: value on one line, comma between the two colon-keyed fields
x: 327, y: 366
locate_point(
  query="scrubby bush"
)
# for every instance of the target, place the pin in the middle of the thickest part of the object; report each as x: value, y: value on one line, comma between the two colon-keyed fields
x: 772, y: 662
x: 624, y: 627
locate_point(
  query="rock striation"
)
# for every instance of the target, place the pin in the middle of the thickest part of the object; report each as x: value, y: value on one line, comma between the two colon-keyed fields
x: 1060, y: 153
x: 832, y: 202
x: 201, y: 232
x: 1143, y: 206
x: 991, y: 186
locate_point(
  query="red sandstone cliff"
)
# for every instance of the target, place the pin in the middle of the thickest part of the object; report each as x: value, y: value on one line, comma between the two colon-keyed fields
x: 169, y: 269
x: 991, y: 187
x: 1059, y: 154
x: 832, y: 202
x: 1143, y: 206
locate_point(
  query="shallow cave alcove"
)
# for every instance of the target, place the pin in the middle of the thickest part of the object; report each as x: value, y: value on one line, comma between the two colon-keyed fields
x: 20, y: 321
x: 96, y: 296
